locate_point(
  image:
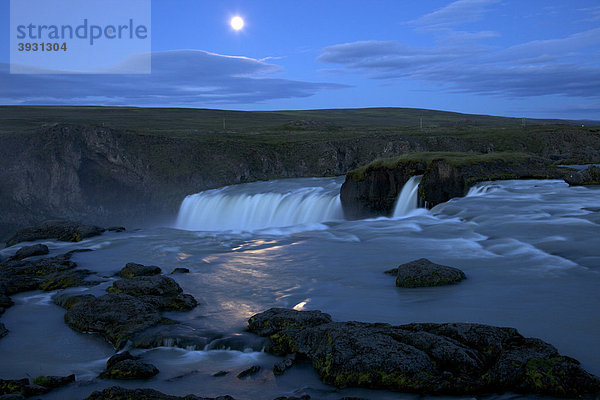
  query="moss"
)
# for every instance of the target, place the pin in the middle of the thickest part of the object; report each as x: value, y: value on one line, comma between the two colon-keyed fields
x: 452, y: 158
x: 542, y: 376
x: 60, y: 283
x: 42, y: 381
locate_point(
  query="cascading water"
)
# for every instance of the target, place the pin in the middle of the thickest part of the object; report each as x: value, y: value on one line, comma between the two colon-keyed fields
x: 260, y: 205
x: 408, y: 200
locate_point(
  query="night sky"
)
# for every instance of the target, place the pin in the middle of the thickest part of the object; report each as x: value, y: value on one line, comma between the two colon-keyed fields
x: 533, y: 58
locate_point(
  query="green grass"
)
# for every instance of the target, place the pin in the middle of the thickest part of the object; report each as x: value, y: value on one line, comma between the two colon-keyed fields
x: 453, y: 158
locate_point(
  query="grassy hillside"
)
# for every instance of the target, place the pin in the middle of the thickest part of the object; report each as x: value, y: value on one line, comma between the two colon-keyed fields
x: 270, y: 126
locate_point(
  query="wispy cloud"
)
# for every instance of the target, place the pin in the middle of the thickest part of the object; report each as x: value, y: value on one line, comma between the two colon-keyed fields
x: 568, y: 66
x: 454, y: 14
x: 181, y: 77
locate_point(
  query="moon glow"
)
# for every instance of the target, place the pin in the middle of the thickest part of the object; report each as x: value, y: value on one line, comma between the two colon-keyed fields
x: 237, y: 23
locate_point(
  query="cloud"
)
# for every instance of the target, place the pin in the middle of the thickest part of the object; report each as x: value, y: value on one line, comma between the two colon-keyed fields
x: 454, y: 14
x: 179, y: 78
x: 567, y: 66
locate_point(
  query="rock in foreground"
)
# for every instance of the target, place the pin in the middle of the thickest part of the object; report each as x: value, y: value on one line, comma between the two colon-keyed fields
x: 65, y: 231
x: 455, y: 358
x: 124, y: 366
x: 424, y: 273
x: 119, y: 393
x: 30, y: 251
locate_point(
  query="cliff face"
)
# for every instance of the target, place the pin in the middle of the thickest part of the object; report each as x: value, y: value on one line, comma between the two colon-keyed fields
x: 103, y: 176
x: 373, y: 190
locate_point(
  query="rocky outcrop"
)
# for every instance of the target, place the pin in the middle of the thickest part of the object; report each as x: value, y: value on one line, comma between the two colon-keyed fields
x: 588, y: 176
x: 373, y: 189
x: 424, y: 273
x: 132, y: 269
x: 46, y: 274
x: 124, y: 366
x: 132, y: 306
x: 455, y: 358
x: 40, y: 385
x: 119, y: 393
x: 31, y: 251
x: 65, y: 231
x: 115, y: 175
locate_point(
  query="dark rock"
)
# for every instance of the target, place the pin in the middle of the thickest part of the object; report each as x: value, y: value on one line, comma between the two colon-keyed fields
x: 304, y: 397
x: 280, y: 367
x: 237, y: 341
x: 10, y: 386
x: 67, y: 301
x: 157, y: 285
x: 276, y: 319
x: 3, y: 330
x: 5, y: 301
x: 220, y: 374
x: 180, y: 271
x: 130, y: 369
x: 117, y: 229
x: 180, y: 302
x: 253, y: 370
x: 117, y: 358
x: 66, y: 279
x: 179, y: 335
x: 116, y: 316
x: 53, y: 382
x: 119, y: 393
x: 455, y: 359
x: 588, y: 176
x: 373, y: 190
x: 132, y: 269
x: 423, y: 273
x: 30, y: 251
x: 34, y: 390
x: 61, y: 230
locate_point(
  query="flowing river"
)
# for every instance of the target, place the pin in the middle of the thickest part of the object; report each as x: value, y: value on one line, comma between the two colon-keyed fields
x: 530, y: 250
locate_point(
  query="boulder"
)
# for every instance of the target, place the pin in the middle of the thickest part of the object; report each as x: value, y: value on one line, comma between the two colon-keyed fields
x: 3, y: 330
x: 157, y: 285
x: 124, y: 366
x: 132, y: 269
x: 53, y: 382
x: 119, y: 393
x: 30, y: 251
x: 253, y: 370
x: 449, y: 359
x: 65, y: 231
x: 116, y: 316
x: 66, y: 279
x: 423, y: 273
x: 180, y: 271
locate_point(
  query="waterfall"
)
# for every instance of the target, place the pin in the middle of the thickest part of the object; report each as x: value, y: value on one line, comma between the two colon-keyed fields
x: 226, y: 209
x: 408, y: 200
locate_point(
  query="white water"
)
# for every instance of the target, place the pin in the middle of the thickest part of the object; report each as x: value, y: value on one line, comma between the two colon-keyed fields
x: 304, y: 202
x: 408, y: 200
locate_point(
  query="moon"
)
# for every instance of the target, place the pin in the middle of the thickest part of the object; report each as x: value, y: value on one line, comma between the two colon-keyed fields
x: 237, y: 23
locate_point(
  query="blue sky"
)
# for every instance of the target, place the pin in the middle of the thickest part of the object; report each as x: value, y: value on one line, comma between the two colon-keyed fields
x: 534, y: 58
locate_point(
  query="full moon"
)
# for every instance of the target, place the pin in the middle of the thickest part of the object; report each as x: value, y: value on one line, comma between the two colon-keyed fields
x: 237, y: 23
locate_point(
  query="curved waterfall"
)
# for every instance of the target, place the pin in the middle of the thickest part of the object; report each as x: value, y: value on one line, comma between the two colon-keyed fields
x: 235, y: 209
x: 408, y: 200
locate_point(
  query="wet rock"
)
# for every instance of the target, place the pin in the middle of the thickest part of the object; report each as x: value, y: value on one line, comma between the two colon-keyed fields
x: 30, y: 251
x: 53, y: 382
x: 276, y: 319
x: 253, y: 370
x: 588, y: 176
x: 116, y: 316
x: 423, y: 273
x: 280, y: 367
x: 180, y: 302
x: 5, y: 301
x: 13, y: 386
x: 116, y: 229
x: 66, y: 279
x: 180, y: 271
x: 124, y: 366
x: 455, y: 359
x: 3, y: 330
x: 132, y: 269
x: 119, y: 393
x: 61, y: 230
x: 237, y: 341
x: 179, y: 335
x: 67, y: 301
x: 220, y: 374
x: 12, y: 396
x: 157, y: 285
